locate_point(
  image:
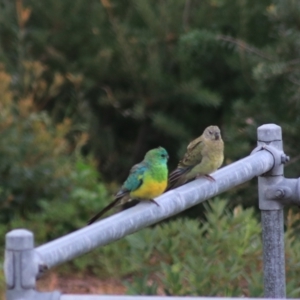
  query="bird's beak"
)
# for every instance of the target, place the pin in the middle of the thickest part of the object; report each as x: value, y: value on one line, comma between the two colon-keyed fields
x: 217, y: 135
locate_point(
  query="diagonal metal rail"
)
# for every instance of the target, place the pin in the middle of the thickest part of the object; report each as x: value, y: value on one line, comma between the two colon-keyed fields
x: 144, y: 214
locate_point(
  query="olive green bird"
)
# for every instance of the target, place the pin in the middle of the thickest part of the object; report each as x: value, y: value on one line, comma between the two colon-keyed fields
x: 146, y: 180
x: 203, y: 156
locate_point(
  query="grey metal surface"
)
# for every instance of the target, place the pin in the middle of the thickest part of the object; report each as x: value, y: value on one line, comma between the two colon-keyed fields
x: 18, y: 243
x: 266, y: 185
x: 272, y: 214
x: 270, y: 135
x: 286, y: 190
x: 21, y: 267
x: 273, y: 249
x: 32, y: 295
x: 19, y: 239
x: 145, y: 214
x: 115, y: 297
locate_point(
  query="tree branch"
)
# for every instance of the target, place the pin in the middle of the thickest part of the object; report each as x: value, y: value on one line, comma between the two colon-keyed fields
x: 241, y: 44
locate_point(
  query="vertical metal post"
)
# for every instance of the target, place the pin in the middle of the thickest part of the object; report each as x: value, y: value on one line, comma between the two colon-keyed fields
x: 21, y: 266
x: 272, y: 217
x: 19, y: 246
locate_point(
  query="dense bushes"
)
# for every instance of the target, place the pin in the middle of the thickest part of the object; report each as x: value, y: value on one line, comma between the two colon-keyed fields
x: 37, y: 164
x: 45, y: 184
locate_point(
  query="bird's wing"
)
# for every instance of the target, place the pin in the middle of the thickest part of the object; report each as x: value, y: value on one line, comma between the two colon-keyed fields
x: 135, y: 177
x: 193, y: 155
x: 176, y: 175
x: 133, y: 182
x: 194, y: 143
x: 191, y: 158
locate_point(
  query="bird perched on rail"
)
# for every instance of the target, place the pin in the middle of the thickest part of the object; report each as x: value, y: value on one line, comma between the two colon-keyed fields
x: 203, y: 156
x: 146, y: 180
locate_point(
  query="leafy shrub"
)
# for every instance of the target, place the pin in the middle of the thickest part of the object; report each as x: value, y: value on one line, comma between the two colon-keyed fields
x: 63, y: 215
x: 218, y: 257
x: 45, y: 185
x: 34, y: 159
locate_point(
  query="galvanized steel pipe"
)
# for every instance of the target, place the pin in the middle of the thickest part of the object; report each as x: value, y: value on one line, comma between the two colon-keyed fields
x: 272, y: 217
x: 144, y: 214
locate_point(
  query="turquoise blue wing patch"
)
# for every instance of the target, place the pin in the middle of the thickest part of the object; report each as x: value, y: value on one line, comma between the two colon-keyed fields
x: 135, y: 178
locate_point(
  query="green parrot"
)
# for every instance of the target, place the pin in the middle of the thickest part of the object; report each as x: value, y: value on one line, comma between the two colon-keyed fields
x: 203, y: 156
x: 146, y: 180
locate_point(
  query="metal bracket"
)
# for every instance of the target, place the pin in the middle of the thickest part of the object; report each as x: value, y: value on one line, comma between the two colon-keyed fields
x: 278, y: 189
x: 287, y: 192
x: 280, y: 193
x: 279, y: 156
x: 268, y: 198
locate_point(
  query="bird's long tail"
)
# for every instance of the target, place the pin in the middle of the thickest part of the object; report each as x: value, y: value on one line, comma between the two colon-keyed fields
x: 104, y: 210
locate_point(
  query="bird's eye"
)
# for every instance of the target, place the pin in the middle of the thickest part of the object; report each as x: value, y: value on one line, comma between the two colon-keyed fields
x: 163, y: 155
x: 210, y: 132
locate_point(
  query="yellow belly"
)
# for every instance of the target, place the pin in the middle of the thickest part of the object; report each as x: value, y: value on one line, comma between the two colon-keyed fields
x: 149, y: 189
x: 207, y: 166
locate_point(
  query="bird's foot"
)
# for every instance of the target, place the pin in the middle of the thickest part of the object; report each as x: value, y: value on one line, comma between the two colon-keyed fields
x: 153, y: 201
x: 207, y: 176
x: 210, y: 178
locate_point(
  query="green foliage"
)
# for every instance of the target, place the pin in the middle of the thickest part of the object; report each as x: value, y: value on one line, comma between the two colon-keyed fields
x: 35, y: 164
x: 63, y: 215
x: 218, y: 257
x: 133, y: 74
x: 43, y: 187
x: 274, y: 76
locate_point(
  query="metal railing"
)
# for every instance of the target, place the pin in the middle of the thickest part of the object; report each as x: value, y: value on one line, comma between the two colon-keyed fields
x: 24, y: 263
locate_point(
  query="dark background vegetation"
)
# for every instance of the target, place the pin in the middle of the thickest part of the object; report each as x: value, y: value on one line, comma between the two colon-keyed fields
x: 87, y: 87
